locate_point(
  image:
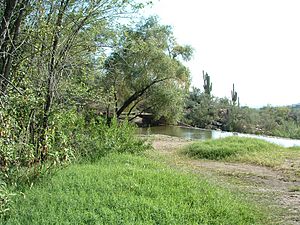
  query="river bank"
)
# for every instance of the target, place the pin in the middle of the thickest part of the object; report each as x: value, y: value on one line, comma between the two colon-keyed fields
x: 164, y: 186
x: 193, y: 133
x: 277, y: 188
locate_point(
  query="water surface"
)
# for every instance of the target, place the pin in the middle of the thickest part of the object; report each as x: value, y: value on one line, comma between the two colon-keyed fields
x: 201, y: 134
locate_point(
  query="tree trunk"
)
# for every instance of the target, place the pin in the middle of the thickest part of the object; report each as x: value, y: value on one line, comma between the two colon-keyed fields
x: 50, y: 82
x: 8, y: 58
x: 8, y: 11
x: 4, y: 32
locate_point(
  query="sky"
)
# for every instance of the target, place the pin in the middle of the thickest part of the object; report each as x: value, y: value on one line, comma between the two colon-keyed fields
x: 254, y: 44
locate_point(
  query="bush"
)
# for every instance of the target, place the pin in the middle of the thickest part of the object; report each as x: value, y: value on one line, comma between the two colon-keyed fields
x: 69, y: 137
x: 16, y: 151
x: 93, y: 139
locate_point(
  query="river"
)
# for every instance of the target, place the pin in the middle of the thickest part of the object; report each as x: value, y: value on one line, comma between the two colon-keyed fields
x: 201, y: 134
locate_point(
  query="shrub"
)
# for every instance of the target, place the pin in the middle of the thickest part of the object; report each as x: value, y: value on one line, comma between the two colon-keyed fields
x: 70, y: 138
x: 93, y: 139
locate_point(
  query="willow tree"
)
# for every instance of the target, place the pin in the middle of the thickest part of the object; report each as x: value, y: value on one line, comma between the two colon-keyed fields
x: 145, y: 70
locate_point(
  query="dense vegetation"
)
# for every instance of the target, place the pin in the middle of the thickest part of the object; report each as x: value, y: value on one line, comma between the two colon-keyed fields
x: 69, y: 71
x: 126, y: 189
x: 240, y: 149
x: 204, y: 110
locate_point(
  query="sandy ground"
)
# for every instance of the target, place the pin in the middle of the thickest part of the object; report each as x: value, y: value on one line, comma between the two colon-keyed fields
x: 274, y: 187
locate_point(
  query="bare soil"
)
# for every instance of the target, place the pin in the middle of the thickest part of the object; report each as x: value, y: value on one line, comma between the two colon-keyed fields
x: 278, y: 189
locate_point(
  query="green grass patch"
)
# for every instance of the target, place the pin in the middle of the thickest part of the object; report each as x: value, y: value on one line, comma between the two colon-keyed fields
x: 241, y: 149
x: 296, y: 148
x: 127, y: 189
x: 228, y: 147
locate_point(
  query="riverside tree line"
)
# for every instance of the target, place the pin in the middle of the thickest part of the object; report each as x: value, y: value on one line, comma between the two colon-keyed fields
x: 204, y: 110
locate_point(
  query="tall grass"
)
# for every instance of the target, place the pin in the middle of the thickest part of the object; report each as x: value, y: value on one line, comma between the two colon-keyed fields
x: 228, y: 147
x: 127, y: 189
x: 5, y: 199
x: 241, y: 149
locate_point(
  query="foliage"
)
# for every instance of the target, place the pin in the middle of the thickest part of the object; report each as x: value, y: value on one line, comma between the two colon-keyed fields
x: 51, y: 58
x: 89, y: 140
x: 73, y: 138
x: 166, y: 102
x: 144, y: 70
x: 127, y: 189
x: 5, y: 199
x: 17, y: 150
x: 239, y: 120
x: 210, y: 112
x: 200, y: 109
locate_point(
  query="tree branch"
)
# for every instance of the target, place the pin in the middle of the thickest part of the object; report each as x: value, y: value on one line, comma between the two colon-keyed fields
x: 138, y: 94
x: 144, y: 110
x: 10, y: 83
x: 135, y: 104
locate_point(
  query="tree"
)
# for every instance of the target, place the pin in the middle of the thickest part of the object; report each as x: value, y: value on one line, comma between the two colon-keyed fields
x: 146, y: 64
x: 201, y: 110
x: 72, y: 32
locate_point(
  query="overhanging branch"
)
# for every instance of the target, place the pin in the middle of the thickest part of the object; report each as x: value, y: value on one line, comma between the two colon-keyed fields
x: 138, y: 94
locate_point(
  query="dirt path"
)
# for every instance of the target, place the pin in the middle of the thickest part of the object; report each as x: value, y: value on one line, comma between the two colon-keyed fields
x: 276, y: 188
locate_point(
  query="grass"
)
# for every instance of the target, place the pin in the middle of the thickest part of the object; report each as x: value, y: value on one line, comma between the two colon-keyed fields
x: 127, y: 189
x: 294, y: 188
x: 295, y: 148
x: 241, y: 149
